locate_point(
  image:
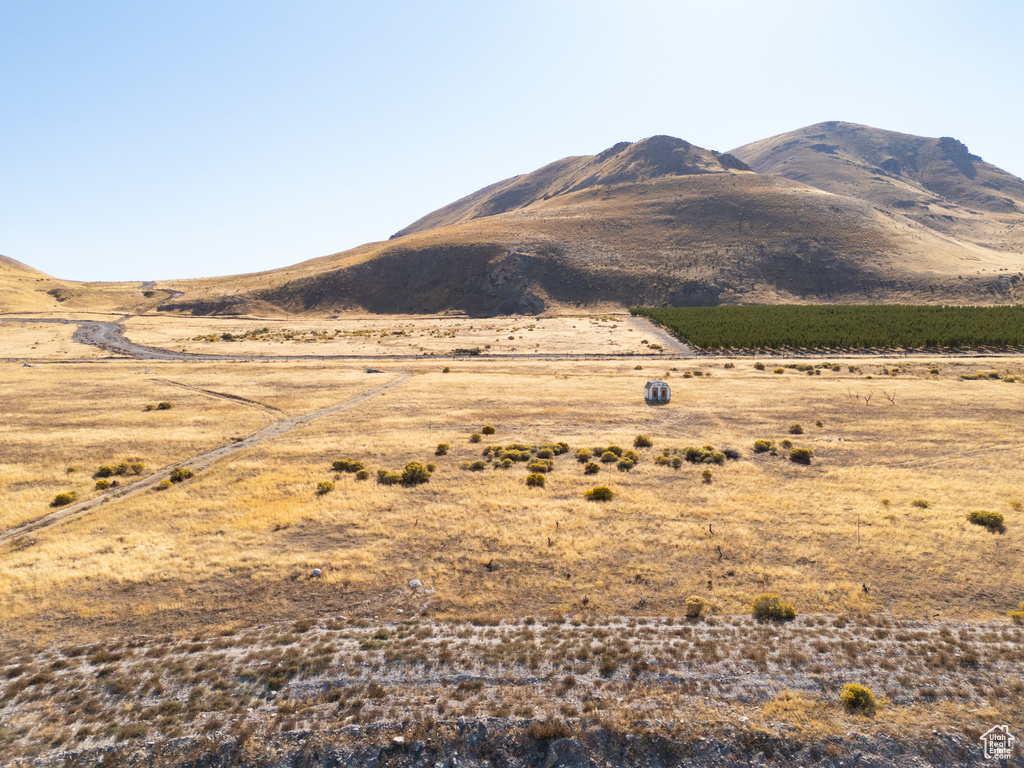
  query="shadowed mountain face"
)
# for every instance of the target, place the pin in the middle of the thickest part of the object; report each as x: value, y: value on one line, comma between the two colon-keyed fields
x: 835, y: 213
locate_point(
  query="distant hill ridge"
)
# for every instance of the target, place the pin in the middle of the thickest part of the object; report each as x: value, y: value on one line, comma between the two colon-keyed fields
x: 835, y: 212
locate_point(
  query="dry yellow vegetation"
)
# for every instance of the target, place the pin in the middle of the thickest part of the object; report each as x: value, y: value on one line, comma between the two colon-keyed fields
x: 237, y: 542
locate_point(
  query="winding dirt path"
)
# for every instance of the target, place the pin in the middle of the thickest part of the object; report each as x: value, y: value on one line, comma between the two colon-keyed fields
x: 198, y: 462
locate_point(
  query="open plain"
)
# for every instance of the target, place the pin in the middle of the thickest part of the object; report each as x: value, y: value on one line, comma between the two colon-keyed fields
x: 893, y: 587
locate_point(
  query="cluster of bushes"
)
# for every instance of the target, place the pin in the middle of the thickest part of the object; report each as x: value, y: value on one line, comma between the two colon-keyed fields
x: 129, y: 467
x: 413, y: 474
x: 980, y: 375
x: 797, y: 455
x: 166, y: 405
x: 991, y: 520
x: 180, y: 474
x: 347, y: 465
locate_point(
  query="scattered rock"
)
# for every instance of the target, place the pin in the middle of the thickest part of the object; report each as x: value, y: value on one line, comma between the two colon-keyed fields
x: 415, y: 584
x: 316, y: 572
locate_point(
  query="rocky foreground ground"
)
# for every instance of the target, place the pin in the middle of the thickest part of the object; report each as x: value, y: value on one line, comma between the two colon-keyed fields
x: 585, y: 691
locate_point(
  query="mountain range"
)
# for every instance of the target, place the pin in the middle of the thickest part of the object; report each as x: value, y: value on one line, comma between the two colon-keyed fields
x: 834, y: 212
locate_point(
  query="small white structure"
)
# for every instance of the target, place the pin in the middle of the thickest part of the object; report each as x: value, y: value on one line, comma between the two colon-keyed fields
x: 657, y: 392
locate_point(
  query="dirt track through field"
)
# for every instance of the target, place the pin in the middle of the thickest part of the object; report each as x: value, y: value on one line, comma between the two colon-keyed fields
x: 198, y: 462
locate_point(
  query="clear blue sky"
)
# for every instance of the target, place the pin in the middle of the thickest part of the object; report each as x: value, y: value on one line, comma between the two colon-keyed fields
x: 152, y: 140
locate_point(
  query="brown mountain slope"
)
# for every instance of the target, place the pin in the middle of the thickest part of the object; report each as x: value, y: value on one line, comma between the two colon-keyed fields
x: 24, y: 289
x: 937, y: 183
x: 623, y: 163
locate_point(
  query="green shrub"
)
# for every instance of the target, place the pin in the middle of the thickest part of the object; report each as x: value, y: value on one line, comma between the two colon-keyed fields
x: 759, y: 366
x: 442, y: 449
x: 563, y: 447
x: 389, y: 478
x: 1017, y: 617
x: 991, y: 520
x: 504, y: 463
x: 488, y: 429
x: 104, y: 471
x: 705, y: 455
x: 770, y: 606
x: 729, y: 365
x: 415, y: 473
x: 608, y: 457
x: 920, y: 504
x: 631, y: 455
x: 819, y: 423
x: 102, y: 485
x: 324, y: 487
x: 762, y: 446
x: 431, y: 467
x: 475, y: 437
x: 614, y: 449
x: 446, y: 369
x: 642, y: 441
x: 583, y: 455
x: 163, y: 485
x: 363, y: 474
x: 178, y: 474
x: 150, y: 407
x: 600, y: 493
x: 663, y: 461
x: 778, y: 370
x: 545, y: 453
x: 591, y: 468
x: 540, y: 465
x: 857, y: 698
x: 535, y: 480
x: 677, y: 462
x: 164, y: 406
x: 347, y: 465
x: 731, y: 453
x: 796, y: 429
x: 63, y: 499
x: 787, y: 444
x: 801, y: 455
x: 477, y: 466
x: 136, y: 467
x: 625, y: 465
x: 695, y: 606
x: 706, y: 474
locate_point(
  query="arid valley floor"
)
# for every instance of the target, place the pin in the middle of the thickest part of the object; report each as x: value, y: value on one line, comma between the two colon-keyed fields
x: 175, y: 621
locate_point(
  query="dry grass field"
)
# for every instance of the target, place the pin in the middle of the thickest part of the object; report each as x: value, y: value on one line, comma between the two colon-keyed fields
x: 407, y: 335
x: 205, y: 592
x: 842, y: 534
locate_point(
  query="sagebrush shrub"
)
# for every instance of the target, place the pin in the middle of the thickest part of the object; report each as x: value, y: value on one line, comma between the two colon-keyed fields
x: 63, y: 499
x: 475, y: 437
x: 771, y: 606
x: 363, y: 474
x: 920, y: 504
x: 706, y: 474
x: 600, y: 493
x: 102, y: 485
x: 796, y: 429
x: 415, y: 473
x: 663, y: 461
x: 545, y: 453
x: 677, y: 462
x: 694, y: 606
x: 857, y: 698
x: 631, y: 456
x: 347, y: 465
x: 608, y: 457
x: 801, y: 455
x: 625, y: 465
x: 540, y: 465
x: 642, y: 441
x: 583, y: 455
x: 504, y: 463
x: 179, y: 474
x: 431, y: 467
x: 731, y: 453
x: 477, y: 466
x: 163, y: 485
x: 323, y: 487
x: 389, y: 478
x: 442, y: 449
x: 779, y: 370
x: 759, y: 366
x: 591, y: 468
x: 488, y: 429
x: 787, y: 444
x: 104, y: 471
x: 166, y: 405
x: 991, y: 520
x: 1017, y: 617
x: 535, y: 480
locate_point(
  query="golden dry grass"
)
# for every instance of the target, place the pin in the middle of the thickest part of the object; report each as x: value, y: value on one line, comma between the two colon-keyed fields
x: 239, y: 539
x: 412, y: 335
